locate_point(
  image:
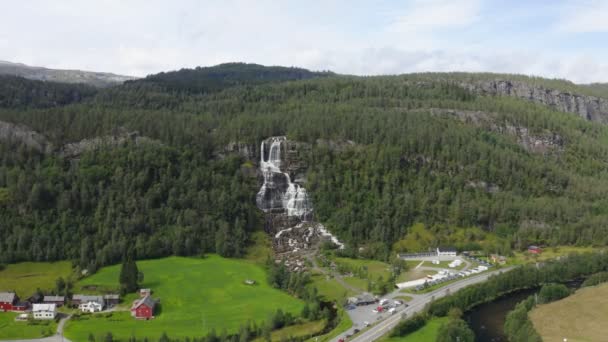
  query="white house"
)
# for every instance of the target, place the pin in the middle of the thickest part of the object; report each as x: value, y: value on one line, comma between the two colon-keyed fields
x: 44, y: 311
x: 446, y: 251
x: 90, y: 307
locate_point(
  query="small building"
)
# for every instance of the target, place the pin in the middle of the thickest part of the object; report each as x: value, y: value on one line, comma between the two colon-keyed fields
x: 534, y: 250
x: 86, y: 303
x: 57, y: 300
x: 364, y: 299
x: 145, y: 293
x: 111, y: 299
x: 143, y: 308
x: 9, y: 301
x: 446, y: 251
x: 90, y: 307
x: 498, y: 259
x: 249, y: 282
x: 36, y: 298
x: 44, y: 311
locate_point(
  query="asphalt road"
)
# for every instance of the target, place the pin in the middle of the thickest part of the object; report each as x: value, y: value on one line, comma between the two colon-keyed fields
x: 417, y: 304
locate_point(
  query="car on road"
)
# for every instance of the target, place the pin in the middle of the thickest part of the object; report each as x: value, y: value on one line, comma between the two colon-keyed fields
x: 366, y: 324
x: 356, y: 331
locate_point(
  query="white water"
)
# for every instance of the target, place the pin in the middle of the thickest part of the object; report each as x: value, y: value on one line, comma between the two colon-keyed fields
x: 295, y: 200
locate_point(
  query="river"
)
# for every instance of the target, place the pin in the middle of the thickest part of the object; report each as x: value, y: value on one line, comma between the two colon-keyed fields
x: 488, y: 320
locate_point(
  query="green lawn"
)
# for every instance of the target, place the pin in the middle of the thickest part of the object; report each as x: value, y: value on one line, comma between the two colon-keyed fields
x: 197, y: 295
x: 26, y: 277
x: 355, y: 282
x: 548, y: 253
x: 428, y: 333
x: 329, y: 289
x: 12, y: 330
x: 296, y: 331
x: 375, y: 268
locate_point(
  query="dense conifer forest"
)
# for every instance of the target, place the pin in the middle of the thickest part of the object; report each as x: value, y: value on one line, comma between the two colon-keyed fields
x: 387, y: 153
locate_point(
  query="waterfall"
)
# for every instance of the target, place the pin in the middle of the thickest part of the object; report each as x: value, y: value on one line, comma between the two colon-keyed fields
x: 278, y: 191
x: 280, y: 195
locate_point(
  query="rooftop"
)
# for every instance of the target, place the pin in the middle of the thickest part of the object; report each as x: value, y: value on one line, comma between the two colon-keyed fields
x: 145, y: 300
x: 43, y: 307
x: 7, y: 297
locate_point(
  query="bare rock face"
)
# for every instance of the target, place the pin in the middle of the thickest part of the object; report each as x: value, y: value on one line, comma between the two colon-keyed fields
x: 588, y: 107
x: 539, y: 142
x: 246, y: 151
x: 25, y: 135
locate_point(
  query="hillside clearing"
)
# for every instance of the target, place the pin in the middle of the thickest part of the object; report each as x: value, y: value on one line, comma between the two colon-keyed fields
x: 24, y: 278
x: 197, y: 295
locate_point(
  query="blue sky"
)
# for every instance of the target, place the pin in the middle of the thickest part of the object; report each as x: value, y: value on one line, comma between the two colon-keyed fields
x: 558, y: 38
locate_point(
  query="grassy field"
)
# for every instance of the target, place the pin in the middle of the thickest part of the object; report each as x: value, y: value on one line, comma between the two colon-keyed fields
x: 12, y: 330
x: 197, y: 295
x: 295, y: 331
x: 428, y: 333
x: 26, y: 277
x: 375, y: 268
x: 330, y: 289
x: 548, y: 253
x: 580, y: 317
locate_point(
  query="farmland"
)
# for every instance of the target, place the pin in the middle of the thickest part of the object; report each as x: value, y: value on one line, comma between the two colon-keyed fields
x: 580, y: 317
x: 11, y: 330
x: 428, y: 333
x: 24, y: 278
x: 197, y: 295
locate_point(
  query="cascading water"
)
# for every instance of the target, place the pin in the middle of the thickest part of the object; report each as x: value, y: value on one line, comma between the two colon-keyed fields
x: 278, y: 191
x: 279, y: 195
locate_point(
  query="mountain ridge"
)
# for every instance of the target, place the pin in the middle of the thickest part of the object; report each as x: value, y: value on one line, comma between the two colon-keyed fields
x: 98, y: 79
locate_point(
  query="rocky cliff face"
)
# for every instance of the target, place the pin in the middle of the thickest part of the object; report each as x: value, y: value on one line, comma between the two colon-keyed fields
x: 588, y: 107
x: 22, y: 134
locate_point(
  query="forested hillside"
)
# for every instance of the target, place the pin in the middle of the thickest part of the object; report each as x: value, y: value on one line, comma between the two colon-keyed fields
x: 387, y: 153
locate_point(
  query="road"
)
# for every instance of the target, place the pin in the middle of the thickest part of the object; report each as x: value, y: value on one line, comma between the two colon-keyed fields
x: 417, y: 304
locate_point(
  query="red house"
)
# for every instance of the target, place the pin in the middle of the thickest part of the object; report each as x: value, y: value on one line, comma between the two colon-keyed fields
x: 9, y: 301
x: 534, y: 250
x: 143, y: 308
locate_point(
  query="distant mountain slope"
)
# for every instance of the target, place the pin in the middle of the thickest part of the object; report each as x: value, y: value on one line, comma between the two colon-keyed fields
x: 18, y: 92
x: 98, y: 79
x: 215, y: 78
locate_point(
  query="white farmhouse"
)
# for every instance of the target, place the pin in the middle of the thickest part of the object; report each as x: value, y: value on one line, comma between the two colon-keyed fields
x: 90, y: 307
x: 446, y: 251
x: 44, y: 311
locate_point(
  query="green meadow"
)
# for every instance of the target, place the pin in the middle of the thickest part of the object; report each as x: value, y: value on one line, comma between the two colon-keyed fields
x: 196, y: 294
x: 12, y: 330
x: 428, y: 333
x: 26, y: 277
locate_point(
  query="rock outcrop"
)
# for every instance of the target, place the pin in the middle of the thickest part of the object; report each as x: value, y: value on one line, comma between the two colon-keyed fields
x: 589, y: 107
x: 22, y: 134
x: 539, y: 142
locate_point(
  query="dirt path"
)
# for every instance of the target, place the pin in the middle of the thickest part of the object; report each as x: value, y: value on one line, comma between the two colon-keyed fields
x: 311, y: 257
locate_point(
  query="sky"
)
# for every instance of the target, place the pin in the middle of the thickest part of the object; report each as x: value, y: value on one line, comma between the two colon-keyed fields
x: 550, y: 38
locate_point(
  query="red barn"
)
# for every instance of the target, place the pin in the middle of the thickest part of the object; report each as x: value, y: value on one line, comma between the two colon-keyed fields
x: 143, y: 308
x: 10, y: 302
x: 7, y: 300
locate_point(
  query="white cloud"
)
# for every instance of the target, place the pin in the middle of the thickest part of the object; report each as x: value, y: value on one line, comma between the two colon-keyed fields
x: 423, y: 16
x: 585, y: 16
x: 141, y: 37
